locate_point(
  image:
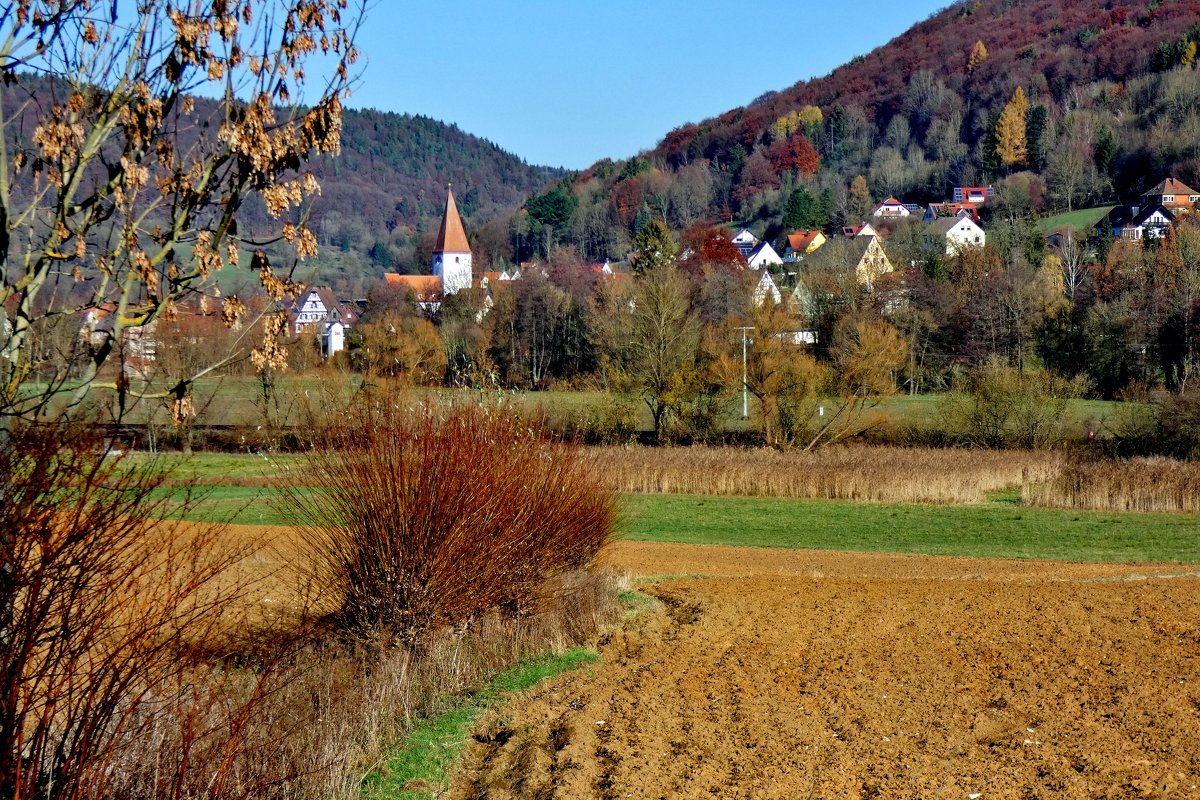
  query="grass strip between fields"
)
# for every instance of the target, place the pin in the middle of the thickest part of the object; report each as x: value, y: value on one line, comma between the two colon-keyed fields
x: 420, y: 766
x: 985, y: 531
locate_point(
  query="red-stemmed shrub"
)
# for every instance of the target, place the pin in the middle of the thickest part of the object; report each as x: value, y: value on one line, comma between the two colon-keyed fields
x: 421, y: 516
x: 103, y: 613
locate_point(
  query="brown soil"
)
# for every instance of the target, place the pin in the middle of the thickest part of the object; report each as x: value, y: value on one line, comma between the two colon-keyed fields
x: 772, y: 674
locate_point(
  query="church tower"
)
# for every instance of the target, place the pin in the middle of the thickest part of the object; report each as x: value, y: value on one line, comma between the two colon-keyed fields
x: 451, y: 253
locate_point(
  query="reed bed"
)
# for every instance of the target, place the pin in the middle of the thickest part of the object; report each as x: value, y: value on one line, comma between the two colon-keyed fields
x: 1139, y: 484
x: 312, y: 722
x: 872, y: 474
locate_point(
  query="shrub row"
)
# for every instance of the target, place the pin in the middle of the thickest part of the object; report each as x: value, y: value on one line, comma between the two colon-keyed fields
x: 137, y: 661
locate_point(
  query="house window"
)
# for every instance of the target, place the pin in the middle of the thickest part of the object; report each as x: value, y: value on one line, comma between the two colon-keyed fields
x: 1168, y: 198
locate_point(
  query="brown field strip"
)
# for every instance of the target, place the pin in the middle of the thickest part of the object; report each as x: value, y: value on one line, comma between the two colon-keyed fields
x: 806, y: 675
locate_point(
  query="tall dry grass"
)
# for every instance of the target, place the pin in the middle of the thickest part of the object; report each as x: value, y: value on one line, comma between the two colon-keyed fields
x: 875, y: 474
x: 1138, y: 484
x: 100, y: 611
x: 313, y: 721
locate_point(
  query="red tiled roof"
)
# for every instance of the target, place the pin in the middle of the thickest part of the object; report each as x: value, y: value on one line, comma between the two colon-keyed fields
x: 800, y: 240
x: 426, y: 287
x: 451, y: 237
x: 1171, y: 186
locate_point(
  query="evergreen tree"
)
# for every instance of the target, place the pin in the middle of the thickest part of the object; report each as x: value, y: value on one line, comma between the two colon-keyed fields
x: 653, y: 247
x: 989, y: 156
x: 1105, y: 151
x: 1035, y: 132
x: 804, y: 212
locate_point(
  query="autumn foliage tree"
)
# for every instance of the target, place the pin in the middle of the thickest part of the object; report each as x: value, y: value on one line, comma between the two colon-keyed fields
x: 124, y: 195
x: 978, y: 55
x: 1011, y: 142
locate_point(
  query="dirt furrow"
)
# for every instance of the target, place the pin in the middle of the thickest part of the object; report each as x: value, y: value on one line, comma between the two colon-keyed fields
x: 819, y: 675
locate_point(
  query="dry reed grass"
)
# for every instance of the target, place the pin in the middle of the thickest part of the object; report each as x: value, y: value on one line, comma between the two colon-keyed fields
x: 874, y: 474
x: 311, y: 722
x: 1138, y: 484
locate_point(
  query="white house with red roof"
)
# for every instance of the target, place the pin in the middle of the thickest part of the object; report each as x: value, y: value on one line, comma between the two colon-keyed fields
x: 891, y: 209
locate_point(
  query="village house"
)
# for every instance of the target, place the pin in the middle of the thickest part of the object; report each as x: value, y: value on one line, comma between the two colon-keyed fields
x: 1156, y: 210
x: 766, y: 290
x: 801, y: 243
x: 763, y: 256
x: 959, y: 233
x: 893, y: 209
x: 1140, y: 222
x: 971, y: 195
x: 318, y: 311
x: 1173, y: 195
x: 942, y: 210
x: 869, y: 259
x: 138, y: 345
x: 862, y: 229
x: 745, y: 242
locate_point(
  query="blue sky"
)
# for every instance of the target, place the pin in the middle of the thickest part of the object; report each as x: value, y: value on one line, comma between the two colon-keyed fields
x: 565, y: 83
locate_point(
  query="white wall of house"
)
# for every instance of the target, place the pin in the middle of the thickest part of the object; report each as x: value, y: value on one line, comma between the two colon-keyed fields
x: 964, y: 233
x: 764, y: 256
x: 335, y: 338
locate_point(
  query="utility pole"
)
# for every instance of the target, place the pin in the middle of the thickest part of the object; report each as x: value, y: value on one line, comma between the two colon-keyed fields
x: 745, y: 388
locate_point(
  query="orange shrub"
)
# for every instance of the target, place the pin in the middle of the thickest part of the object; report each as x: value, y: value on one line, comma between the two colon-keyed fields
x: 419, y: 517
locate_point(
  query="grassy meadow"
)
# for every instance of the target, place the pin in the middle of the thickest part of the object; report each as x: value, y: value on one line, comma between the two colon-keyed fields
x: 298, y: 400
x: 997, y: 530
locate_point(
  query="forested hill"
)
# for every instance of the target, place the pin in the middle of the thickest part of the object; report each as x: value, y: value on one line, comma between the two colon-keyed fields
x: 381, y: 199
x: 1053, y: 48
x: 1110, y: 104
x: 391, y: 178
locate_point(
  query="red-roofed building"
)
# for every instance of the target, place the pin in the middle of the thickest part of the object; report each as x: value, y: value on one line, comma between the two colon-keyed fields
x: 451, y: 252
x: 891, y: 209
x: 863, y: 229
x: 426, y: 290
x: 975, y: 195
x: 803, y: 242
x: 1171, y: 194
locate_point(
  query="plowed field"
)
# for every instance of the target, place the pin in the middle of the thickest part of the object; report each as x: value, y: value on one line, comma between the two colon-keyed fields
x: 776, y: 674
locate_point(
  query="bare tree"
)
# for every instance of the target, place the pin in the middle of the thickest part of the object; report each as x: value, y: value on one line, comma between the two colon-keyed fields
x: 120, y: 183
x: 1075, y: 265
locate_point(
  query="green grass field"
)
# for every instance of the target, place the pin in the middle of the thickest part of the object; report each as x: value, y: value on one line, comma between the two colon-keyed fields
x: 1082, y: 220
x: 997, y: 530
x: 418, y: 767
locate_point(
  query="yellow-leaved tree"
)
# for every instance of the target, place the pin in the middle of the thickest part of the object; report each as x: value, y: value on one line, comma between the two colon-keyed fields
x: 978, y: 55
x: 130, y: 135
x: 1011, y: 143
